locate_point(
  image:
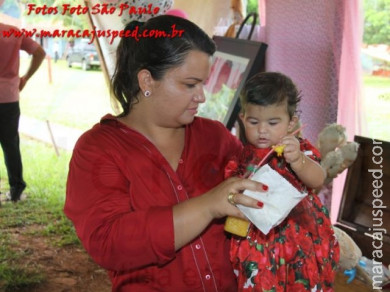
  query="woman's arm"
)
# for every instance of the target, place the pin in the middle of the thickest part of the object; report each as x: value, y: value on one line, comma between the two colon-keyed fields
x: 121, y: 237
x: 193, y: 216
x: 37, y: 58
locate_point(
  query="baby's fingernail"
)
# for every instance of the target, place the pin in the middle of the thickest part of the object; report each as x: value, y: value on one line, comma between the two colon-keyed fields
x: 265, y: 188
x: 260, y: 204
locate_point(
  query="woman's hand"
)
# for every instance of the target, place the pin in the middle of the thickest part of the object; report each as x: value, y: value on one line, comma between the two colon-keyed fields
x: 218, y: 201
x: 191, y: 217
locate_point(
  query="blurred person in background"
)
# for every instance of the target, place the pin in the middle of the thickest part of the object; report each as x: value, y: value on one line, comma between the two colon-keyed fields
x: 10, y: 86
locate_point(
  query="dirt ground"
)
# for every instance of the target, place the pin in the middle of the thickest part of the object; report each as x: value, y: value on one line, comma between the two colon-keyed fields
x: 66, y: 269
x: 70, y: 269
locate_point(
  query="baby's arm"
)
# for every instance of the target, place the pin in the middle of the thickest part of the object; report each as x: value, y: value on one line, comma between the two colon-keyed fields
x: 308, y: 171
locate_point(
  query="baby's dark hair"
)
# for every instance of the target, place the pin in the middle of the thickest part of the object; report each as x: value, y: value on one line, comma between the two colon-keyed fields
x: 267, y: 88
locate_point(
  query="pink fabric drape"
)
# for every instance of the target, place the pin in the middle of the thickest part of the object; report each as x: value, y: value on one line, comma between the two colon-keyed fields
x: 317, y: 45
x: 302, y: 43
x: 350, y: 108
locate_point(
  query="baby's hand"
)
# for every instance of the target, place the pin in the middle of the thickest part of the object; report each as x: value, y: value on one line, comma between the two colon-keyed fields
x: 292, y: 152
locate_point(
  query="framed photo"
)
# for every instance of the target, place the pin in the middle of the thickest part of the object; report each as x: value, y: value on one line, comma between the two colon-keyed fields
x: 233, y: 63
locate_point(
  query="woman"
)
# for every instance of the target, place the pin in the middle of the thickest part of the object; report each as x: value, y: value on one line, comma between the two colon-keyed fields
x: 145, y: 189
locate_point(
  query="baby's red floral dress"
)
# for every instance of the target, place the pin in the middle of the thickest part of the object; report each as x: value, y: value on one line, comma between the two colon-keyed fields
x: 300, y: 254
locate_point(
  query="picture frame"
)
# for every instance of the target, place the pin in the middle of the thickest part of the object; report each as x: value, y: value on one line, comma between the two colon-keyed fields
x: 234, y: 62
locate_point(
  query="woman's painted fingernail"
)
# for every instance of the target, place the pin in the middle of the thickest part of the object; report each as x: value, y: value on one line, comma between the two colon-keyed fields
x: 260, y: 204
x: 265, y: 188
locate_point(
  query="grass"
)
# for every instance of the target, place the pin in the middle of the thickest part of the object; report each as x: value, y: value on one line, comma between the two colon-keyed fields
x: 74, y: 98
x: 45, y: 174
x: 18, y: 278
x: 377, y: 106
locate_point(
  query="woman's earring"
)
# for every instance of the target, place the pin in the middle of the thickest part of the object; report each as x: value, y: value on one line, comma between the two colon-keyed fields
x: 147, y: 93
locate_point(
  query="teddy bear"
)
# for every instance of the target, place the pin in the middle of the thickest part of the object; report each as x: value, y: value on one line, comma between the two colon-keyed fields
x: 337, y: 153
x: 353, y: 263
x: 350, y: 254
x: 331, y: 137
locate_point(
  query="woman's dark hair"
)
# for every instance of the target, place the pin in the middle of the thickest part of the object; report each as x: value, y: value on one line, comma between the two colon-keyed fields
x: 156, y: 53
x: 267, y: 88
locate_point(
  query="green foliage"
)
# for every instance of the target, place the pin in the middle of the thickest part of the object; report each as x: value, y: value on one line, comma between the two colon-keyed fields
x: 376, y: 22
x: 252, y: 6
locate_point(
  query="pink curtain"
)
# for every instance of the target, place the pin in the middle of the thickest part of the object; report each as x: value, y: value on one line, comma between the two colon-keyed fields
x: 350, y: 108
x: 317, y: 44
x: 303, y: 43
